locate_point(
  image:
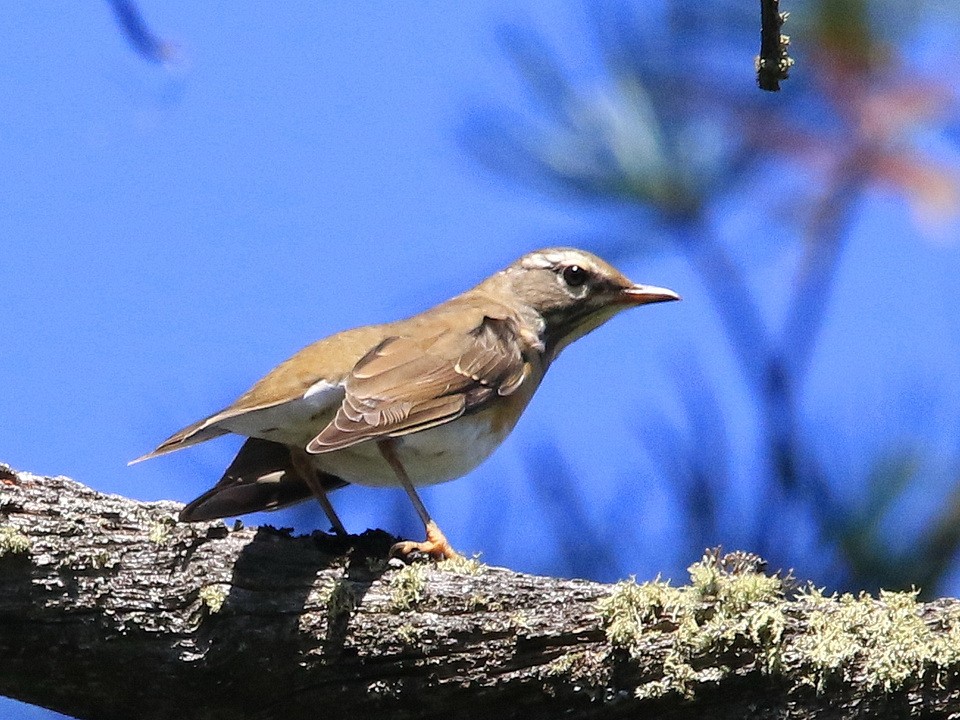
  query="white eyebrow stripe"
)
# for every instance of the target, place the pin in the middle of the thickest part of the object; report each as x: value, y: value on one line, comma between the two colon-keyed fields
x: 552, y: 258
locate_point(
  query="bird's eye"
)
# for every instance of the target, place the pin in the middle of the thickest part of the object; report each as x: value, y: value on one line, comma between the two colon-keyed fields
x: 574, y: 275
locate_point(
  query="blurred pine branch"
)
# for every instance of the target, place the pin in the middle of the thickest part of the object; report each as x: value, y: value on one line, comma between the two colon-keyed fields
x: 668, y: 130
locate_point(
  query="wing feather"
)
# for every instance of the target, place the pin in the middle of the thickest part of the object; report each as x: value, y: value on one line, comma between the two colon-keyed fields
x: 411, y: 383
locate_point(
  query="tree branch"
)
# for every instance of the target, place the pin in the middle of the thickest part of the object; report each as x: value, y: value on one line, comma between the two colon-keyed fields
x: 111, y: 609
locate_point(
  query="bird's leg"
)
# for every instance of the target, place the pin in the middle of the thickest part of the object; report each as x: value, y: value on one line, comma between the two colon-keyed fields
x: 308, y: 473
x: 436, y: 544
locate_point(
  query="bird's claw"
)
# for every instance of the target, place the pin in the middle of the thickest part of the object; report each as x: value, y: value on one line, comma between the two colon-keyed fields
x: 436, y: 546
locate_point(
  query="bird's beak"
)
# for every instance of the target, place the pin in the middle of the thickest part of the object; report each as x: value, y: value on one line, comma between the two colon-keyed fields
x: 645, y: 294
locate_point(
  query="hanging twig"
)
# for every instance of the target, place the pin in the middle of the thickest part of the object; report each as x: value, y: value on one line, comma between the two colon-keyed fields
x: 774, y: 61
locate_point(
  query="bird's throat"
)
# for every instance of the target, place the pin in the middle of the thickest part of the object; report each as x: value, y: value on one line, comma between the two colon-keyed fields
x: 563, y: 328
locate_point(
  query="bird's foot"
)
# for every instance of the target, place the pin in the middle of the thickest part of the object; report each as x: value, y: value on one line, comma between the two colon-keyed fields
x: 436, y: 546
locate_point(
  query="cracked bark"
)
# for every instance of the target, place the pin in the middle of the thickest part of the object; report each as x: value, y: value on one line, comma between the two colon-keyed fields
x: 111, y: 609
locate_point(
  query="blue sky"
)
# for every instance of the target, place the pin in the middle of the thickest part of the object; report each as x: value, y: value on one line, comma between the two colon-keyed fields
x: 171, y: 233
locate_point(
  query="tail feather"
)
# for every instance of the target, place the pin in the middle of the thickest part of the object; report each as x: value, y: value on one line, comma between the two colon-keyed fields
x: 191, y: 435
x: 261, y: 477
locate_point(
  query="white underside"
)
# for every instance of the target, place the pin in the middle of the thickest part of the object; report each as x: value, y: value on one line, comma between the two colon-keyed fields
x: 431, y: 456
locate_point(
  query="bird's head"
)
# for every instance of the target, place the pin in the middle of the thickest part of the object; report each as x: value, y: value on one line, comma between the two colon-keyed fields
x: 574, y: 292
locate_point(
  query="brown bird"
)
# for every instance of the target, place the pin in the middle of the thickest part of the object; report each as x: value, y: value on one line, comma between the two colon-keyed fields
x: 413, y: 402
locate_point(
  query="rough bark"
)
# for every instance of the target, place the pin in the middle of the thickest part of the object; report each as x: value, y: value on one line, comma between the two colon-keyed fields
x: 111, y: 609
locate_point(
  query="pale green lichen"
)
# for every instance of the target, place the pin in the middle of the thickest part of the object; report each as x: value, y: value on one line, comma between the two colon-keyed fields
x: 562, y: 665
x: 884, y: 642
x: 463, y: 565
x: 91, y: 559
x: 407, y: 586
x: 408, y: 634
x: 580, y: 671
x: 630, y: 607
x: 159, y: 531
x: 520, y: 621
x: 482, y: 601
x: 13, y: 541
x: 880, y: 644
x: 213, y: 597
x: 720, y: 610
x: 574, y: 664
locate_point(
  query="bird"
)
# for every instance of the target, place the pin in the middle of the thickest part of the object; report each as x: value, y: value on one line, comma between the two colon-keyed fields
x: 409, y: 403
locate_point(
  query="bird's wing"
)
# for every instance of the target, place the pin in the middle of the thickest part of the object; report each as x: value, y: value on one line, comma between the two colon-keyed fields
x: 411, y: 383
x: 288, y: 384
